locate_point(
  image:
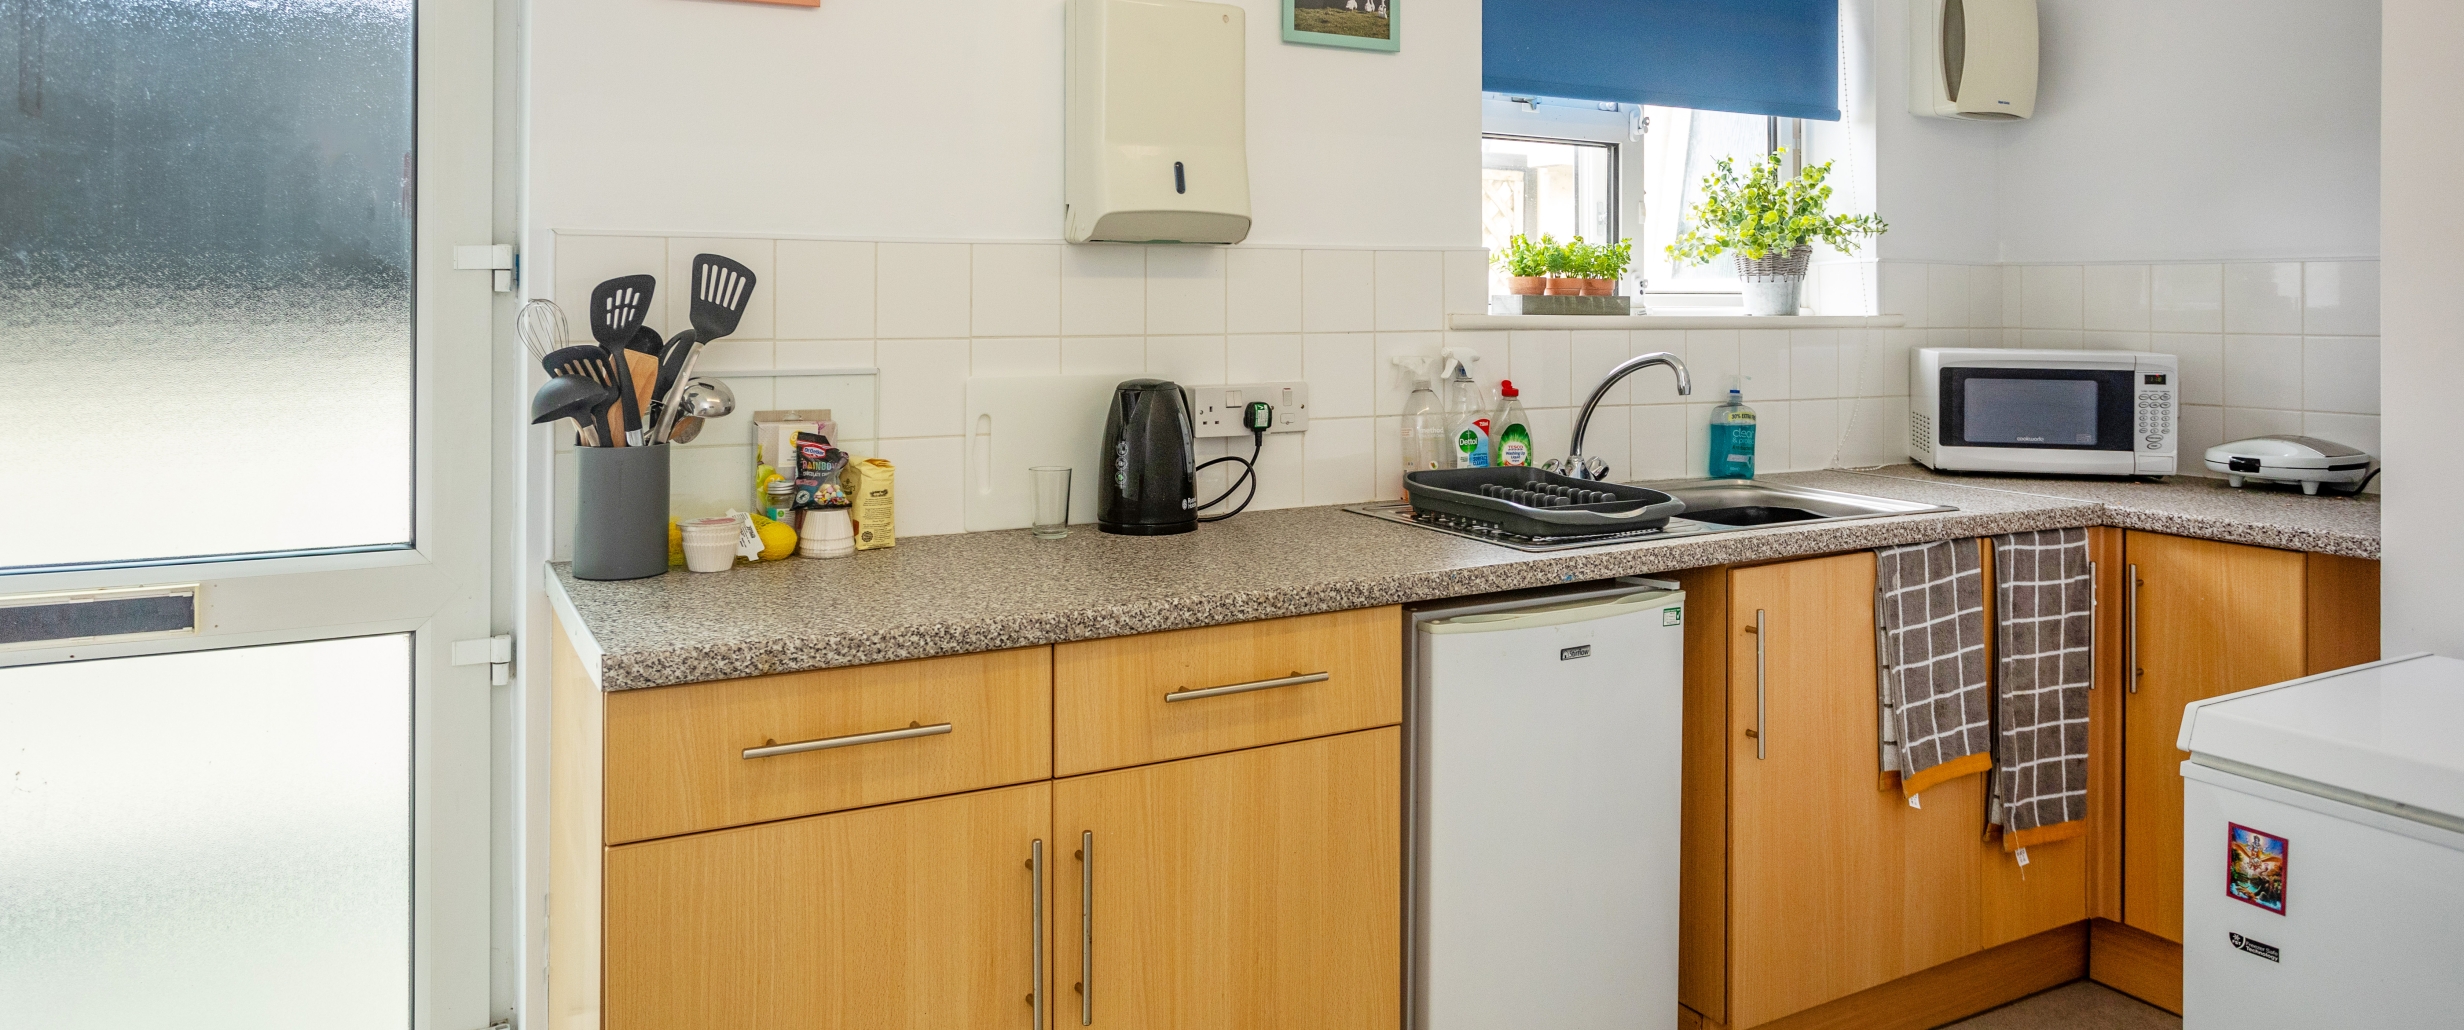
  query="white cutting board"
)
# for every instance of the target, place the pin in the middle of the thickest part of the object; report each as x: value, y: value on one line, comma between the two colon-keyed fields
x: 1014, y: 424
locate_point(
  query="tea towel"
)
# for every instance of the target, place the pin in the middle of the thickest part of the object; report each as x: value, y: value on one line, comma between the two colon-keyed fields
x: 2045, y: 607
x: 1929, y: 610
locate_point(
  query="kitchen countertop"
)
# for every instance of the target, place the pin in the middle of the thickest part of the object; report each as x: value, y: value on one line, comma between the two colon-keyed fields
x: 941, y: 595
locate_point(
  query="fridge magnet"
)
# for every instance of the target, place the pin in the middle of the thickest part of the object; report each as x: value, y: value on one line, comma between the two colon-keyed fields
x: 2255, y: 867
x: 1359, y: 24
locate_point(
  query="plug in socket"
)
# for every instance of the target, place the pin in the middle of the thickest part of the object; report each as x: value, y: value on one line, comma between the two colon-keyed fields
x: 1217, y: 409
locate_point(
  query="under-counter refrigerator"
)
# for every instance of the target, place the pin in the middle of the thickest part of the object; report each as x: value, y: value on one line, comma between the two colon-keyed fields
x: 2323, y: 851
x: 1545, y: 791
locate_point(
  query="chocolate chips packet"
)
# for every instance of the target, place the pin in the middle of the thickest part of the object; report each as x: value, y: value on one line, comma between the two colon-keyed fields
x: 817, y: 473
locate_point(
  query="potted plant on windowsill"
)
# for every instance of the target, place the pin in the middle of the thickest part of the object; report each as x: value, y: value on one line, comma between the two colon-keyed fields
x: 1607, y: 265
x: 1527, y: 265
x: 1565, y: 263
x: 1771, y: 222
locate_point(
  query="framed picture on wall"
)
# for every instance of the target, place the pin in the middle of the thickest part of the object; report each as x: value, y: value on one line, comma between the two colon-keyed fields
x: 1359, y: 24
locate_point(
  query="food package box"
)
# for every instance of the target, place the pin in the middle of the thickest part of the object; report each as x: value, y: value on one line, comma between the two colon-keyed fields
x: 870, y: 500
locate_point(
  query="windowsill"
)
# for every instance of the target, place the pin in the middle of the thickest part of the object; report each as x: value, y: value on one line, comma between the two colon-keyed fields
x: 1685, y: 321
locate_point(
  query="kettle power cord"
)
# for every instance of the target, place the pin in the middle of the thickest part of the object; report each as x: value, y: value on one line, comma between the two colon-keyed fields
x: 1258, y: 417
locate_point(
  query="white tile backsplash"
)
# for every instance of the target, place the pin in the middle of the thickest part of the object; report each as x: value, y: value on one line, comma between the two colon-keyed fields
x: 1017, y: 289
x: 1338, y: 291
x: 2262, y: 297
x: 1335, y: 317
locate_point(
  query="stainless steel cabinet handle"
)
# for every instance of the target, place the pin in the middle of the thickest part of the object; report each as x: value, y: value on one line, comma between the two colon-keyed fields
x: 1294, y: 680
x: 827, y: 743
x: 1035, y: 866
x: 1086, y: 928
x: 1762, y: 740
x: 2133, y: 614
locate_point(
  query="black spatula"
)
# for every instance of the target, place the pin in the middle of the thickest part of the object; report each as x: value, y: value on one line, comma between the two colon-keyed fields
x: 587, y: 362
x: 722, y: 289
x: 617, y: 308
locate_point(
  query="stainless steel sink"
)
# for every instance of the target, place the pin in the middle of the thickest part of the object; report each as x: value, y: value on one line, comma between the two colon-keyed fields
x: 1745, y: 503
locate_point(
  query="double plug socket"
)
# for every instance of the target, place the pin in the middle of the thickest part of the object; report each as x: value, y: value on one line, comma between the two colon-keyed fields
x: 1218, y: 410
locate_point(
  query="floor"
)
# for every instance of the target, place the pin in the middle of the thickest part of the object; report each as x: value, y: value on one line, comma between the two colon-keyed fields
x: 2084, y: 1005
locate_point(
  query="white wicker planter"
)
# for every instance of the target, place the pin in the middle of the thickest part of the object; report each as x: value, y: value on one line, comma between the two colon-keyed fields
x: 1774, y: 283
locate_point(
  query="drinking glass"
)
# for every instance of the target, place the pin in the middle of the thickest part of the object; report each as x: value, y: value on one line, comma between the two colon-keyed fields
x: 1051, y: 500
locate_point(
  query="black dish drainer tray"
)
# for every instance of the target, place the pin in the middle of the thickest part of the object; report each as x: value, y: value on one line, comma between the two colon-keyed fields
x: 1538, y: 503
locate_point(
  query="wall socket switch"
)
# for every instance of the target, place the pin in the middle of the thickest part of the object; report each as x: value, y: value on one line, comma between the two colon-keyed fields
x: 1218, y: 408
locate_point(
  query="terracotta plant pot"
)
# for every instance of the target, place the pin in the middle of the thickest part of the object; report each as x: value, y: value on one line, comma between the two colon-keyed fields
x: 1559, y: 286
x: 1525, y: 285
x: 1599, y: 287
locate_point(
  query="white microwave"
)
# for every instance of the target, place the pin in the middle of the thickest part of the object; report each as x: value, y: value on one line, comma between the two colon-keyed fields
x: 2065, y: 412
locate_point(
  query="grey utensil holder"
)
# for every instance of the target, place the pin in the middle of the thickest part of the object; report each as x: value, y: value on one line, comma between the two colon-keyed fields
x: 621, y: 529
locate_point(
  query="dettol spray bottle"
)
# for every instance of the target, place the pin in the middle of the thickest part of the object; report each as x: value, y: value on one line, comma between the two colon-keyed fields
x: 1732, y: 438
x: 1512, y: 426
x: 1466, y: 425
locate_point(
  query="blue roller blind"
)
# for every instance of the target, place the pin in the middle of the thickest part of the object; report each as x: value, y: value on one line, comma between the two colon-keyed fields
x: 1774, y: 57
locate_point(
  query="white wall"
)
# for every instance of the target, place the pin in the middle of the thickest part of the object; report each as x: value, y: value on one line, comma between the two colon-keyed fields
x: 902, y: 120
x: 2422, y: 580
x: 2196, y: 130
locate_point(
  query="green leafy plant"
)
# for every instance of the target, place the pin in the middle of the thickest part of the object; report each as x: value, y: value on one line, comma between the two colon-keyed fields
x: 1610, y: 262
x: 1559, y: 257
x: 1523, y: 258
x: 1765, y: 214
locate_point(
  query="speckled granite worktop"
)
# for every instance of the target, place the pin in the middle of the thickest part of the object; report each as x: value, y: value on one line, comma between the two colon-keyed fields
x: 982, y: 591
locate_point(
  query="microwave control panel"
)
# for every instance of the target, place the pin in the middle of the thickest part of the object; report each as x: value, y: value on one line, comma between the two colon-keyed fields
x: 2156, y: 416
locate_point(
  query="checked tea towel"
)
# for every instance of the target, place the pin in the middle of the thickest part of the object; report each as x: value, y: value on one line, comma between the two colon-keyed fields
x: 2045, y: 604
x: 1929, y: 609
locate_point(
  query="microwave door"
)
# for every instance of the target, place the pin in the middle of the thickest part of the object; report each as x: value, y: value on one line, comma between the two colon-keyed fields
x: 2037, y: 409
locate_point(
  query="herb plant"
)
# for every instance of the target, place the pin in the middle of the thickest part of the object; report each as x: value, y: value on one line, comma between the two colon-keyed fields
x: 1765, y: 214
x: 1523, y: 258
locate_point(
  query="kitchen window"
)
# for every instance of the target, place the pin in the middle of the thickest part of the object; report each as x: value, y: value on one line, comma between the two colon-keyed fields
x: 1608, y: 171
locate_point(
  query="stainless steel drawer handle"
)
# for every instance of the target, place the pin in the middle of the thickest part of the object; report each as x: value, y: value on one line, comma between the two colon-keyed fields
x: 2134, y: 672
x: 1762, y: 741
x: 1294, y: 680
x: 912, y: 731
x: 1035, y: 868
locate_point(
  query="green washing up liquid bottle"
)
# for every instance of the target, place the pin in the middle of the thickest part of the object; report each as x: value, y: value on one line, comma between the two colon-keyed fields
x: 1732, y: 438
x: 1513, y: 427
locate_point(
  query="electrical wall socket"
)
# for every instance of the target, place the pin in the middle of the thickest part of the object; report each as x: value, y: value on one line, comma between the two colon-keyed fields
x: 1218, y: 408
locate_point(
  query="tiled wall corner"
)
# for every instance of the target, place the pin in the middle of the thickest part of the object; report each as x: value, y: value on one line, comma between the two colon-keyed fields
x: 2265, y: 346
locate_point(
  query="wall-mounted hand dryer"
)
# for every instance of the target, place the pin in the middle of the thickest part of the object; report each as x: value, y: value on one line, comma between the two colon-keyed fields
x: 1156, y: 115
x: 1973, y: 59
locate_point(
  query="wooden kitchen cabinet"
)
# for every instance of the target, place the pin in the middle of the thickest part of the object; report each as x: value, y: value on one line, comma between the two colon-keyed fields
x: 2212, y: 618
x: 919, y: 915
x: 1258, y: 888
x: 1809, y: 883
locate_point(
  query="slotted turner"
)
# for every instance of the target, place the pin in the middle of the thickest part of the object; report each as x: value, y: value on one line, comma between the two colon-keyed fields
x: 587, y: 362
x: 617, y: 308
x: 722, y: 289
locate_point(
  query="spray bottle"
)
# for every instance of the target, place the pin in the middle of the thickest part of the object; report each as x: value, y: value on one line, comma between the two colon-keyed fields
x: 1424, y: 435
x: 1467, y: 426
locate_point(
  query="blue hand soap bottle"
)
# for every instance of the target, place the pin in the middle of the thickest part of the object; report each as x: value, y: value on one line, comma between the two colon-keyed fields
x: 1732, y: 438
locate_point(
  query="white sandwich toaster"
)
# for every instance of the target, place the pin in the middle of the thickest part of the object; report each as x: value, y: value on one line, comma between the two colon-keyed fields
x: 2306, y: 460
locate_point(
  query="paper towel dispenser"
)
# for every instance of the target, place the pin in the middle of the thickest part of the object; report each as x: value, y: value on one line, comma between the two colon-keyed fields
x: 1156, y: 122
x: 1973, y: 59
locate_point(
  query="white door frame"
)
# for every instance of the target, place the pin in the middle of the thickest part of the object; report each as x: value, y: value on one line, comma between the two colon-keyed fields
x: 438, y: 589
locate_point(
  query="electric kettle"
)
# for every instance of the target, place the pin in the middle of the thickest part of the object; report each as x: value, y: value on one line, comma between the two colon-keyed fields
x: 1150, y: 481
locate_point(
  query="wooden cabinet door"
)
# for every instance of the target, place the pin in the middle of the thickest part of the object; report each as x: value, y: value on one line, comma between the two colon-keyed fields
x: 1814, y: 898
x: 1259, y: 888
x: 2211, y: 618
x: 917, y: 916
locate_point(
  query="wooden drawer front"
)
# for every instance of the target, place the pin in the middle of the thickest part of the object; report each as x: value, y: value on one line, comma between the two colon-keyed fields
x: 1109, y: 701
x: 676, y: 755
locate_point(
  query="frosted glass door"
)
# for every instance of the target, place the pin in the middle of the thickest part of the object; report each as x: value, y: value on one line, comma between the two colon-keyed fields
x: 237, y: 361
x: 216, y: 839
x: 205, y: 278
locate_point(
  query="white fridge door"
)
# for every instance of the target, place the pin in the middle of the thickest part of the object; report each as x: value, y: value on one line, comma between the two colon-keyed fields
x: 2339, y: 916
x: 1549, y: 815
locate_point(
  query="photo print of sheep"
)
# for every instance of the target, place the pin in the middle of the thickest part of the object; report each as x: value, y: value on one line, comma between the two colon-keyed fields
x: 1359, y: 24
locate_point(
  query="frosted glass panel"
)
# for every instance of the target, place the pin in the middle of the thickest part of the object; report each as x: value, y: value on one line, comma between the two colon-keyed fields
x: 209, y: 840
x: 205, y: 286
